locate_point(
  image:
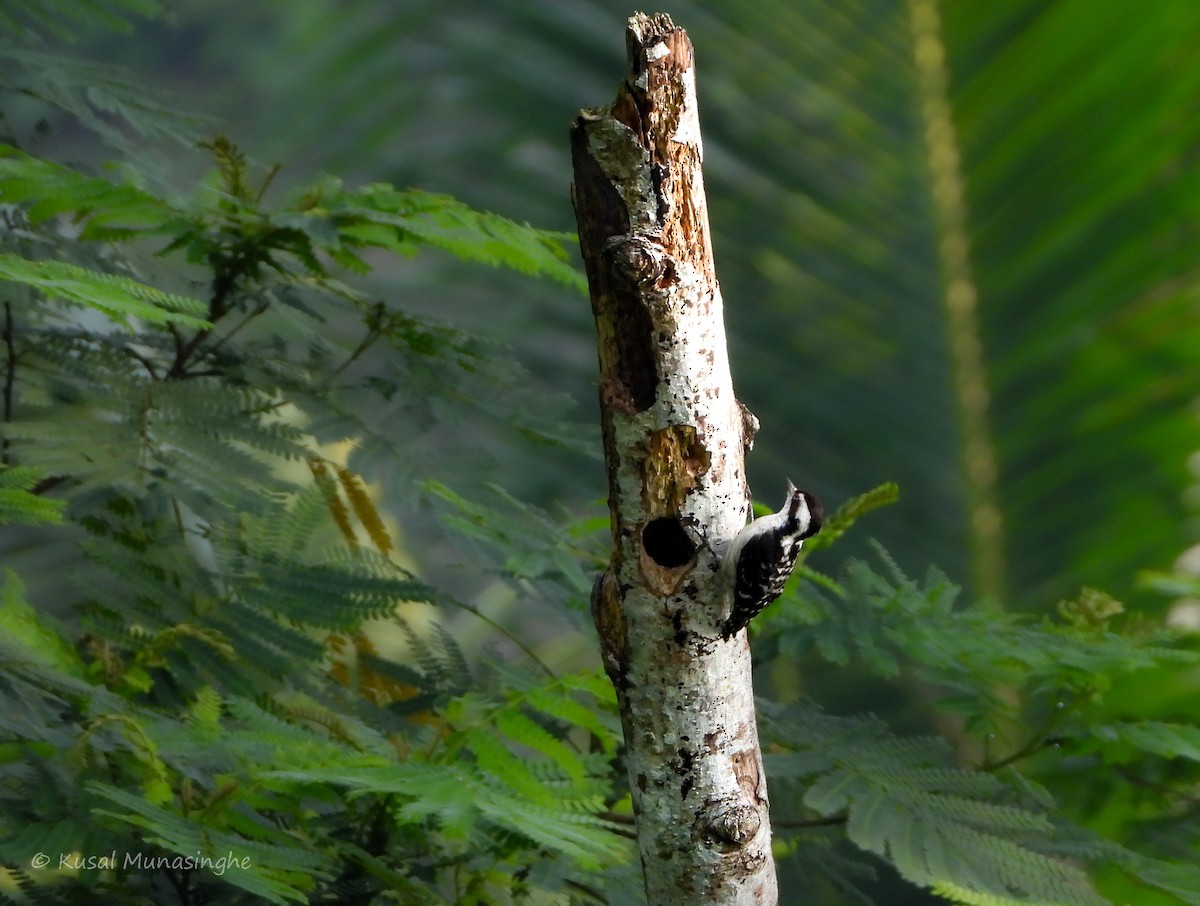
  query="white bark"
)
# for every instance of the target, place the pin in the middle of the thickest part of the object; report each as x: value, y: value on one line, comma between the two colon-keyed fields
x: 675, y: 438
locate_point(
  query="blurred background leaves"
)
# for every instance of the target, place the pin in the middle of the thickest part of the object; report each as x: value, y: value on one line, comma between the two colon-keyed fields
x: 1075, y: 129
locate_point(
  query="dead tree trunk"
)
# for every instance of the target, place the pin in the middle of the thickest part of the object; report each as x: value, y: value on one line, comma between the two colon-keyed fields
x: 674, y: 443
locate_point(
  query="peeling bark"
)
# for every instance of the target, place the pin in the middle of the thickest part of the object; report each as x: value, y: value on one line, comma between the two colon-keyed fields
x: 674, y: 441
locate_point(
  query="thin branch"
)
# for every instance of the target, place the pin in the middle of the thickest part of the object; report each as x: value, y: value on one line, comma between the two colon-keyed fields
x: 374, y: 321
x: 185, y: 351
x: 593, y: 893
x: 224, y: 281
x: 369, y: 339
x: 177, y: 338
x: 1172, y: 794
x: 1043, y: 738
x: 508, y: 634
x: 144, y: 362
x: 624, y: 821
x: 258, y: 310
x: 266, y: 183
x: 529, y: 652
x: 46, y: 485
x: 10, y: 374
x: 1031, y: 748
x: 618, y: 818
x: 180, y: 883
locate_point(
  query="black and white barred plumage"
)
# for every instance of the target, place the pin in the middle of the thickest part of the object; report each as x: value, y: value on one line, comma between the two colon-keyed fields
x: 762, y: 556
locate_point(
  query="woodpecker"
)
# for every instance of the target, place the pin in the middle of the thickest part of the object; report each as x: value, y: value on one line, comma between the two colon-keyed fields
x: 757, y: 564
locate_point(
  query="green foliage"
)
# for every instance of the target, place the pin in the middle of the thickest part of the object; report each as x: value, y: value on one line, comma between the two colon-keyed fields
x: 941, y: 827
x: 474, y: 784
x: 532, y: 543
x: 1079, y: 199
x: 22, y: 624
x: 979, y: 654
x: 98, y: 208
x: 987, y: 834
x: 204, y: 399
x: 61, y: 17
x: 118, y: 297
x: 841, y: 520
x: 113, y: 104
x: 174, y: 371
x: 1078, y: 227
x: 1122, y: 743
x: 19, y: 502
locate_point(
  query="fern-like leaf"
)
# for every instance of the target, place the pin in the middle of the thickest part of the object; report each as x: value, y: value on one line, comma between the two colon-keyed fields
x: 277, y: 872
x: 939, y: 826
x: 1121, y: 743
x: 19, y: 505
x: 885, y: 620
x: 64, y: 18
x: 850, y: 512
x: 21, y: 625
x: 105, y: 210
x: 401, y: 220
x: 118, y: 297
x: 459, y: 798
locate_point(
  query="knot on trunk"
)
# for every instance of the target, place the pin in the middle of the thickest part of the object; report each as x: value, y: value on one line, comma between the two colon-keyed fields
x: 735, y: 826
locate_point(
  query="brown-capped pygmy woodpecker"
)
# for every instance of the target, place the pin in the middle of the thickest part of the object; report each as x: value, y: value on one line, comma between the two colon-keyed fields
x: 757, y: 564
